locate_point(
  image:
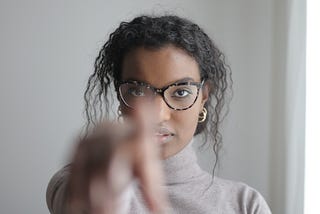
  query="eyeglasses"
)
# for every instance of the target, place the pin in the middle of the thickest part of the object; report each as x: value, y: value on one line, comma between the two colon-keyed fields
x: 178, y: 96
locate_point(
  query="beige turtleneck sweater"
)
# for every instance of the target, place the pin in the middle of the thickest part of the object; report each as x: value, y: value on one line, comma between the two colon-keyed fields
x: 190, y: 189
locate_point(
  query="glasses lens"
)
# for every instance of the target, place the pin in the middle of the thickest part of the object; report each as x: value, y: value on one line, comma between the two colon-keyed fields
x: 135, y: 94
x: 181, y: 96
x: 178, y: 97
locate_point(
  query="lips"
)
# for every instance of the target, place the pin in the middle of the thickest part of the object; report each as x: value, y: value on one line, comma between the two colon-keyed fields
x: 164, y: 135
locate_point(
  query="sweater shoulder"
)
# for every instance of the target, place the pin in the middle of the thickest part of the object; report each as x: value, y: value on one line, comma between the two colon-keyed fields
x: 231, y: 185
x: 56, y: 190
x: 242, y: 196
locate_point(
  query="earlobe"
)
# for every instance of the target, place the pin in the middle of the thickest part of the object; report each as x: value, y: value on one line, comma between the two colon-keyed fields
x: 205, y: 93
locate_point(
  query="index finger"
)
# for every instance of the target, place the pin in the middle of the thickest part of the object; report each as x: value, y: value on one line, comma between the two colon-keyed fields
x: 143, y: 120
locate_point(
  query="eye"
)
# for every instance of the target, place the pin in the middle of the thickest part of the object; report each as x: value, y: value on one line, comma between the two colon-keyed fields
x: 136, y: 91
x: 180, y: 93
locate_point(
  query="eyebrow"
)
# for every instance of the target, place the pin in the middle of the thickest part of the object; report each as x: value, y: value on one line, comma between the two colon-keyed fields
x: 185, y: 79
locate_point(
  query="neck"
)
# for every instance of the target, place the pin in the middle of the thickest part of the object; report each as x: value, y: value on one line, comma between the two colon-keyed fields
x: 182, y: 167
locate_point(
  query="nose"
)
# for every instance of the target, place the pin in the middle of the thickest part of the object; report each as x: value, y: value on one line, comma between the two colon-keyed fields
x: 162, y: 110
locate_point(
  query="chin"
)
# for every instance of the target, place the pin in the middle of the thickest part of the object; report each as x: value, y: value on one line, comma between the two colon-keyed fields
x: 170, y: 148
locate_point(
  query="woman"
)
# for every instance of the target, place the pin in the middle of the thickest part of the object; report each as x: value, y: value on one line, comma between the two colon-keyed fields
x: 172, y: 84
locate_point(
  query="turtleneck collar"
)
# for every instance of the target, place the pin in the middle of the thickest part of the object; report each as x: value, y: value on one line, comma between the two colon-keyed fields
x: 182, y: 167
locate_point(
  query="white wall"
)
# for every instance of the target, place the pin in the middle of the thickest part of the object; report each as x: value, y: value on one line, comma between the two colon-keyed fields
x: 47, y: 52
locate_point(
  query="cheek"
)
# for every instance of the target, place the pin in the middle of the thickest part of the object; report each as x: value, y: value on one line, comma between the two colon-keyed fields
x: 186, y: 122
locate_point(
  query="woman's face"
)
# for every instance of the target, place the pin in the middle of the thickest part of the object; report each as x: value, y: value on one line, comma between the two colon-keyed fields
x: 160, y: 68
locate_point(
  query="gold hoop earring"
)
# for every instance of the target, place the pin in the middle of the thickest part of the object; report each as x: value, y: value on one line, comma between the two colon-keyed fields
x: 203, y: 115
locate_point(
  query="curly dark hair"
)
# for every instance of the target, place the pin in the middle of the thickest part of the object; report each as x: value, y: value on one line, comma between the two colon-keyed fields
x: 154, y: 32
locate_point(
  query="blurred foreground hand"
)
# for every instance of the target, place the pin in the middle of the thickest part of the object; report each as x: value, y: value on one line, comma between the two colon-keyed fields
x: 108, y: 160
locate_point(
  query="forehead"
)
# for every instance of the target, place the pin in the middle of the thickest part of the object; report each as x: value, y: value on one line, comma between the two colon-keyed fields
x: 159, y: 67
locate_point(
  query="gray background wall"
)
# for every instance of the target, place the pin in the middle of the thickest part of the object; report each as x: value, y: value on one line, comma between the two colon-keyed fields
x: 47, y: 49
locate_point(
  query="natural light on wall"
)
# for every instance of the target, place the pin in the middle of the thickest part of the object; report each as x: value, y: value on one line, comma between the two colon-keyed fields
x: 312, y: 169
